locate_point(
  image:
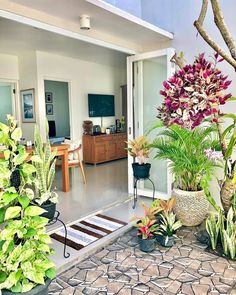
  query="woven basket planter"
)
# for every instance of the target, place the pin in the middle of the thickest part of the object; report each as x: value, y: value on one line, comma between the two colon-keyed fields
x: 191, y: 207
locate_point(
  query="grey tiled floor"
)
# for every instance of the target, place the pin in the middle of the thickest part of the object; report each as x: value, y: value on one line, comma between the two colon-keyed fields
x: 121, y: 268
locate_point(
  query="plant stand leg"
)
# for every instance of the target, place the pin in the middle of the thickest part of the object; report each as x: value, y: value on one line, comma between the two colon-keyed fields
x: 154, y: 189
x: 66, y: 255
x: 135, y: 192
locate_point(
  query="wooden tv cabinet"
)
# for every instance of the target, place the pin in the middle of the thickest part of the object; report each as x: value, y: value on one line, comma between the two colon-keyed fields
x: 103, y: 148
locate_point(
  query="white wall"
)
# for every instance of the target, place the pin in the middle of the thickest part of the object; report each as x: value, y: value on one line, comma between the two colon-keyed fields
x: 28, y: 80
x: 9, y: 67
x: 83, y: 77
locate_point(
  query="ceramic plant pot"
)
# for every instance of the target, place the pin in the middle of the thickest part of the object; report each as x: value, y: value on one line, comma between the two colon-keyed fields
x: 147, y: 245
x: 38, y: 290
x: 141, y: 171
x: 50, y: 209
x: 166, y: 241
x: 191, y: 207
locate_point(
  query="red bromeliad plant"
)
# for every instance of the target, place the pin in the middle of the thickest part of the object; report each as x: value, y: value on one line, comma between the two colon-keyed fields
x: 193, y: 94
x: 147, y: 228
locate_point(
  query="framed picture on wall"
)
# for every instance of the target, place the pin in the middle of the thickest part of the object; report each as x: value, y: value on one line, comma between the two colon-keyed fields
x: 28, y: 105
x: 48, y: 97
x: 49, y: 109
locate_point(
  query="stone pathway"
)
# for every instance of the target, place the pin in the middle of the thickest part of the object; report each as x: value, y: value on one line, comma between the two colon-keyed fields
x: 122, y: 269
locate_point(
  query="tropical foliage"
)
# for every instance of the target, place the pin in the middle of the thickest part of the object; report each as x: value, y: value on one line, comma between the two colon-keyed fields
x: 24, y: 243
x: 44, y: 161
x: 193, y: 94
x: 188, y: 152
x: 147, y: 228
x: 169, y: 224
x: 139, y: 148
x: 222, y: 230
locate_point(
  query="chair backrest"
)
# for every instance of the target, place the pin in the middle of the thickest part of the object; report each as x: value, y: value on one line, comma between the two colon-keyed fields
x: 52, y: 128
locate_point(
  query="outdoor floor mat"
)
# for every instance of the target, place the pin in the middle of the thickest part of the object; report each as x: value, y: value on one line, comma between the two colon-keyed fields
x: 87, y: 231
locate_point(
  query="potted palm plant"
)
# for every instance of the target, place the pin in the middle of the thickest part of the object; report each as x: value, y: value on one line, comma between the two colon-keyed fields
x: 25, y: 266
x: 44, y: 161
x: 139, y: 149
x: 147, y: 229
x: 188, y: 153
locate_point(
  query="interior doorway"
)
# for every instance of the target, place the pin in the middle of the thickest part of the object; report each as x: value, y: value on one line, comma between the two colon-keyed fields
x: 57, y: 110
x: 7, y: 100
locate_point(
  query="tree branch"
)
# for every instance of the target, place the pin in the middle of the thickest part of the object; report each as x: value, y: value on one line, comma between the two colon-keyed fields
x: 178, y: 60
x: 203, y: 12
x: 220, y: 23
x: 214, y: 45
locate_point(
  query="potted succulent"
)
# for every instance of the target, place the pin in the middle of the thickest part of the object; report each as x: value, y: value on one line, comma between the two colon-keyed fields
x: 44, y: 161
x: 192, y: 168
x: 168, y: 228
x: 139, y: 149
x: 147, y: 229
x: 24, y: 243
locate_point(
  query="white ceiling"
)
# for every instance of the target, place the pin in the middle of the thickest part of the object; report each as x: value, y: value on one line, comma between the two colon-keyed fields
x: 16, y: 38
x: 105, y: 19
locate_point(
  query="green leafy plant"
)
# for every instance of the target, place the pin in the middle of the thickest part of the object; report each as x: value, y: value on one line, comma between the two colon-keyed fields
x: 149, y: 212
x: 139, y: 148
x: 222, y: 231
x: 169, y: 225
x: 24, y: 243
x: 187, y: 151
x: 14, y: 155
x: 44, y: 161
x: 147, y: 228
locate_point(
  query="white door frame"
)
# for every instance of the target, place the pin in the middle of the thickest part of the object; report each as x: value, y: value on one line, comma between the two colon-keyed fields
x: 168, y: 52
x: 15, y: 98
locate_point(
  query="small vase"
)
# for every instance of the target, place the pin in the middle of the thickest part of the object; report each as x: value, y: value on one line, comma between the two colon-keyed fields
x: 147, y: 245
x: 141, y: 171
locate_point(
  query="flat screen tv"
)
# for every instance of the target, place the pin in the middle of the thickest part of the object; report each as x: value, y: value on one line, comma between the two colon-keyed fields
x: 101, y: 105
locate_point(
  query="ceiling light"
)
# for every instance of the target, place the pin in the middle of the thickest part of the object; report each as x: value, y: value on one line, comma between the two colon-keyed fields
x: 84, y: 22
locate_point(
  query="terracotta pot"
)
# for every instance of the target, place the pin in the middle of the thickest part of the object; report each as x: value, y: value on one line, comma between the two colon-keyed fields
x: 191, y: 207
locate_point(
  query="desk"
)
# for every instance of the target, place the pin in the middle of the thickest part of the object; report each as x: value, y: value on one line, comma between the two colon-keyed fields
x: 62, y: 151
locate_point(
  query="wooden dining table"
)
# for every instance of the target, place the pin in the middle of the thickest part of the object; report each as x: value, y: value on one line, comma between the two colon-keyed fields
x: 62, y: 151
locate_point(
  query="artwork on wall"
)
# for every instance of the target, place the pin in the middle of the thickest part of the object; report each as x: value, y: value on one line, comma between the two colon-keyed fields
x: 48, y: 97
x: 28, y: 105
x: 49, y: 109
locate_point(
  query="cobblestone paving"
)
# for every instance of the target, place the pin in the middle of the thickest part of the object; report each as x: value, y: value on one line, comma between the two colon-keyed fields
x: 121, y: 268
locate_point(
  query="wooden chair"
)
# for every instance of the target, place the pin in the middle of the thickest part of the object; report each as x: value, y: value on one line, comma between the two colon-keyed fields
x: 73, y: 162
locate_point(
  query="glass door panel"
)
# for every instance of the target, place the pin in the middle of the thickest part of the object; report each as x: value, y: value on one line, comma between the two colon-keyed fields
x: 148, y: 73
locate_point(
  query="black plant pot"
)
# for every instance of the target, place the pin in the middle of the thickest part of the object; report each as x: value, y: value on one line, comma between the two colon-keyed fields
x: 51, y: 209
x: 38, y: 290
x: 15, y: 180
x: 167, y: 241
x: 147, y: 245
x: 141, y: 171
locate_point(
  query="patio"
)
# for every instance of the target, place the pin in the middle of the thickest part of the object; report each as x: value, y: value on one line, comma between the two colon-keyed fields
x: 121, y: 268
